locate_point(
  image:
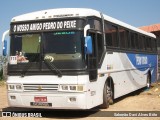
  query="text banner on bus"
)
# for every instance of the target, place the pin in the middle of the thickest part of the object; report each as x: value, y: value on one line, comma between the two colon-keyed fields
x: 46, y: 26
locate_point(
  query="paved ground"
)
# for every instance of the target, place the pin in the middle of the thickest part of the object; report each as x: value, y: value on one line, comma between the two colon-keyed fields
x: 142, y: 100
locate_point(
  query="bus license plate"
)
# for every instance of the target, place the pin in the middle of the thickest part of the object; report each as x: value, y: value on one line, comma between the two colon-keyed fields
x: 40, y: 99
x: 40, y: 104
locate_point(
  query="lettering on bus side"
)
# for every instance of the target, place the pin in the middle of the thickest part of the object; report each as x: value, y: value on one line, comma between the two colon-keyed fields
x: 141, y: 60
x: 42, y: 26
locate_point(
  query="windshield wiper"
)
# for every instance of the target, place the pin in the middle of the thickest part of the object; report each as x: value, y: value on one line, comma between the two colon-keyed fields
x: 25, y: 69
x: 27, y: 66
x: 53, y: 67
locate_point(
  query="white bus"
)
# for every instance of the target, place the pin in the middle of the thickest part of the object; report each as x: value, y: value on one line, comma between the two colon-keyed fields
x: 76, y: 58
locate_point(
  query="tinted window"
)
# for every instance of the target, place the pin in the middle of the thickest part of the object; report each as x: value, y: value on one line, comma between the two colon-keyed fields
x: 95, y: 24
x: 66, y: 42
x: 100, y: 46
x: 26, y: 44
x: 111, y: 32
x: 132, y: 40
x: 124, y: 37
x: 141, y: 42
x: 154, y: 47
x: 136, y: 41
x: 148, y: 44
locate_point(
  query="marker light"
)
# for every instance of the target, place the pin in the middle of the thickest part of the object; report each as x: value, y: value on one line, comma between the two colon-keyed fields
x: 72, y: 88
x: 79, y: 88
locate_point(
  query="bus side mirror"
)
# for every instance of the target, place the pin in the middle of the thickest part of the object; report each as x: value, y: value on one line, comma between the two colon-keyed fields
x: 88, y: 45
x: 4, y: 42
x: 5, y: 48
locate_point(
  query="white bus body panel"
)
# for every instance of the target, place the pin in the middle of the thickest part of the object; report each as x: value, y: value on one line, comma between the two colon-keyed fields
x: 126, y: 76
x: 59, y: 99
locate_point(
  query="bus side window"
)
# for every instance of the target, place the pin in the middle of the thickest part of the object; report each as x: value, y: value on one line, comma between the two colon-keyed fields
x: 115, y: 36
x: 93, y: 35
x: 136, y: 41
x: 154, y: 47
x: 100, y: 46
x: 148, y: 44
x: 111, y: 33
x: 128, y: 41
x: 95, y: 24
x: 123, y: 38
x: 141, y: 43
x: 92, y: 59
x: 132, y: 40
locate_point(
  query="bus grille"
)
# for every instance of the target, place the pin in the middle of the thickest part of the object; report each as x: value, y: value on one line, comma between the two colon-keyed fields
x: 40, y: 87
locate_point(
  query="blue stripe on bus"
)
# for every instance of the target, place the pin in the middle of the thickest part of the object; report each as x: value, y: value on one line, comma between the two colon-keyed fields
x: 143, y: 61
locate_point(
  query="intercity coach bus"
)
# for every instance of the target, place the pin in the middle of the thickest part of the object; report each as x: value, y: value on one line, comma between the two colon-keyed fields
x: 76, y: 58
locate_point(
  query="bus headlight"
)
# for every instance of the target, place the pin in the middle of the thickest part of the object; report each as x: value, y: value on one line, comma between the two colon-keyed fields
x: 64, y: 87
x: 14, y: 87
x: 72, y: 88
x: 11, y: 87
x: 18, y: 87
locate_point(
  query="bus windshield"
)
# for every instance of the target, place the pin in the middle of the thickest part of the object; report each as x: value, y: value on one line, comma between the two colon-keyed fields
x: 63, y: 49
x: 63, y: 45
x: 26, y: 47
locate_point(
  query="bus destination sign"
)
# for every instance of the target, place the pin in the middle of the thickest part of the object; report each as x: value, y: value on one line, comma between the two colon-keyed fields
x: 44, y: 26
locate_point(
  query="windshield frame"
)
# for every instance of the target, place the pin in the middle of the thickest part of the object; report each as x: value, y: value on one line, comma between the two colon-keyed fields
x: 40, y: 67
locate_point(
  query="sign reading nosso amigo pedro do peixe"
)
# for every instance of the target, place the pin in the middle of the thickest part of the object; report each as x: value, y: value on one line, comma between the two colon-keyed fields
x: 45, y: 26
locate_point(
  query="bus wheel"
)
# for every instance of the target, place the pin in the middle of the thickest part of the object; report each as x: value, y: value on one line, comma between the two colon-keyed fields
x: 105, y: 98
x: 149, y: 80
x: 110, y: 94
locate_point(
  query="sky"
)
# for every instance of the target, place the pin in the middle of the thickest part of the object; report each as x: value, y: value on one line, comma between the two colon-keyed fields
x: 134, y: 12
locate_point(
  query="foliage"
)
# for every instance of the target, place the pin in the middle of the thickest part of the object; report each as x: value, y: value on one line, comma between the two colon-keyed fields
x: 1, y: 74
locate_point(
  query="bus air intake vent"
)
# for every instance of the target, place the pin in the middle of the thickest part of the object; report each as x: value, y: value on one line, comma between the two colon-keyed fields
x: 40, y: 87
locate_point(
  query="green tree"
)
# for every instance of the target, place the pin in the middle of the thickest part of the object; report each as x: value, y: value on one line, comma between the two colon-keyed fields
x: 1, y: 74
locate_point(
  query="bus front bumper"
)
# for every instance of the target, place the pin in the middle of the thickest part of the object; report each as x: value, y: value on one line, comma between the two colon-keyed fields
x: 48, y: 100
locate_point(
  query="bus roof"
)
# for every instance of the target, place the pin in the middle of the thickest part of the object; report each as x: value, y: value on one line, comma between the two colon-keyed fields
x: 73, y: 12
x: 57, y: 13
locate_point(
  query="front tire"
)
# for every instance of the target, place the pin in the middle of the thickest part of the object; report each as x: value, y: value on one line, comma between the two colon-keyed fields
x: 105, y: 98
x: 110, y: 94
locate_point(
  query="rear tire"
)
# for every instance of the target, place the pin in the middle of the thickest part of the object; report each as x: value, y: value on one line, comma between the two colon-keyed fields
x: 148, y: 80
